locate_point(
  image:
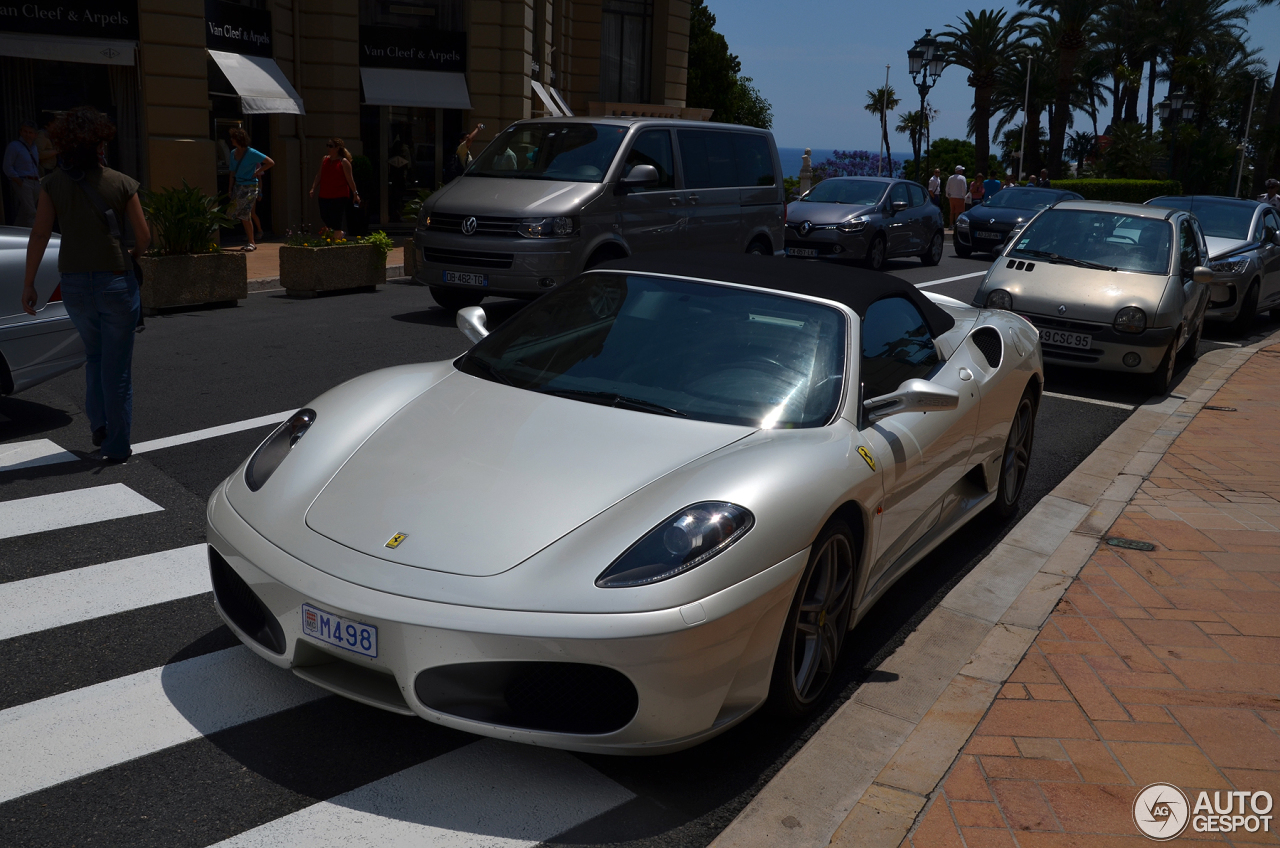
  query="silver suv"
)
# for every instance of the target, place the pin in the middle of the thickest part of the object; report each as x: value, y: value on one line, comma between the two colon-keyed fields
x: 549, y: 198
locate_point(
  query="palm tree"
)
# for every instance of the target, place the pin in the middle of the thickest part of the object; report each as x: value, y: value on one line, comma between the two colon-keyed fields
x: 1075, y: 21
x: 1011, y: 88
x: 980, y: 45
x: 879, y: 102
x: 1080, y: 144
x: 913, y: 127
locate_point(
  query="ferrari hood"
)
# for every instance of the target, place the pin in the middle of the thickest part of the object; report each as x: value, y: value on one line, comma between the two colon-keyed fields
x: 1220, y: 247
x: 479, y: 476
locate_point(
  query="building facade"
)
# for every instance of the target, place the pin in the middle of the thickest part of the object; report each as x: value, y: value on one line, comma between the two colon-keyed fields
x: 398, y: 80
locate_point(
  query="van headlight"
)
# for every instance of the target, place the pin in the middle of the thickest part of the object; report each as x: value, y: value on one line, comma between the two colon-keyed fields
x: 1131, y: 319
x: 558, y: 227
x: 267, y: 458
x: 853, y: 225
x: 999, y: 299
x: 684, y: 541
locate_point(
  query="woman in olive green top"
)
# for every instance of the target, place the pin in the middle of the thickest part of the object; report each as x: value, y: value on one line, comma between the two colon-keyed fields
x: 98, y: 286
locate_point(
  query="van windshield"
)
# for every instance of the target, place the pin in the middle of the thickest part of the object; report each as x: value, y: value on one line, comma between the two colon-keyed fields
x: 579, y: 153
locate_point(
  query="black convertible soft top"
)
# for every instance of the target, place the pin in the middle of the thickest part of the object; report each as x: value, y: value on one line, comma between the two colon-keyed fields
x: 856, y: 288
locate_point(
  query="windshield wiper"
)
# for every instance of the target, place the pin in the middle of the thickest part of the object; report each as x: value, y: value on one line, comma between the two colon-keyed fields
x: 1067, y: 260
x: 616, y: 400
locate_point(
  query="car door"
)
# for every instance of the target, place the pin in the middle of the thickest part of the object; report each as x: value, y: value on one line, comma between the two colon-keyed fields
x: 928, y: 451
x: 899, y: 225
x: 923, y: 216
x: 653, y: 217
x: 712, y: 197
x: 1269, y: 256
x: 1191, y: 252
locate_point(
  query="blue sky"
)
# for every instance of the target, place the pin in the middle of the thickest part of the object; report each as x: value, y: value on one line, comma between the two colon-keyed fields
x: 815, y: 59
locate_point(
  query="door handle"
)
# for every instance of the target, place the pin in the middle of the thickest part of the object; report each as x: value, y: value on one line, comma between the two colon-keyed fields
x: 675, y: 201
x: 693, y: 199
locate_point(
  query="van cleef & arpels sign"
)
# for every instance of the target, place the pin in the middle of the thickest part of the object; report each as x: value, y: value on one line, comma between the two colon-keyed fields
x: 78, y: 18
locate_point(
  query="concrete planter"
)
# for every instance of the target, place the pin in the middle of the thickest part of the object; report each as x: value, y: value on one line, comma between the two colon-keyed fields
x: 307, y: 271
x: 192, y: 279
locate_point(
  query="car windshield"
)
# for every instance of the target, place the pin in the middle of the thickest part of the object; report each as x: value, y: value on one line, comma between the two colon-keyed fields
x: 580, y: 153
x: 1016, y: 198
x: 1218, y: 220
x: 1111, y: 239
x: 852, y: 192
x: 674, y: 347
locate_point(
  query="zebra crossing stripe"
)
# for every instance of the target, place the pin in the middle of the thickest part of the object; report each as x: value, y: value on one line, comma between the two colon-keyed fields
x: 488, y: 794
x: 66, y: 736
x: 17, y: 455
x: 71, y: 509
x: 41, y: 603
x: 211, y: 432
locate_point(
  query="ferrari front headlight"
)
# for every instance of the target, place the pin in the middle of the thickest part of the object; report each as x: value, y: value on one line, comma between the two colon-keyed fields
x: 684, y: 541
x: 267, y: 458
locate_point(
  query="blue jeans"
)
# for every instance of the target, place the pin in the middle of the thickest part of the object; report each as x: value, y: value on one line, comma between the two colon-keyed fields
x: 104, y: 307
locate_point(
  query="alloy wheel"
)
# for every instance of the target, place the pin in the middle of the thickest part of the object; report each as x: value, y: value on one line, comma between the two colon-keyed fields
x: 823, y: 619
x: 876, y: 254
x: 1017, y: 453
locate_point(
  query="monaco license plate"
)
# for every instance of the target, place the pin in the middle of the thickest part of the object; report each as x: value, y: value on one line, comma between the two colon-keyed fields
x: 802, y: 251
x: 989, y: 235
x: 331, y: 629
x: 1066, y: 338
x: 462, y: 278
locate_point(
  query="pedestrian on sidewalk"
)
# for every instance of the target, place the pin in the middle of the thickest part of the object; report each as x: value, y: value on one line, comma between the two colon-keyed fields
x: 44, y: 144
x: 1044, y: 179
x: 935, y: 187
x: 461, y: 156
x: 992, y: 185
x: 1272, y: 197
x: 977, y: 191
x: 337, y: 187
x: 93, y: 203
x: 22, y: 167
x: 956, y: 189
x: 247, y: 167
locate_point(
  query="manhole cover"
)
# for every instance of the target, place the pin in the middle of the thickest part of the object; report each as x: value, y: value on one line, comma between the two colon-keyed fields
x: 1130, y: 544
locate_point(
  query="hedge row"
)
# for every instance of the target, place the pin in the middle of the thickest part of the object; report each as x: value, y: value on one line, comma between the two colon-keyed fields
x: 1128, y: 191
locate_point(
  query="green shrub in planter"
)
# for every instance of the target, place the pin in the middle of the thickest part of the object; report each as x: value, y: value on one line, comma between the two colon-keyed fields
x: 185, y: 266
x: 184, y: 220
x: 1127, y: 191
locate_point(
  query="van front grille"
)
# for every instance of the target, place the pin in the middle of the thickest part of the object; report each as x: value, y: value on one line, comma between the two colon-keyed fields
x: 446, y: 223
x: 468, y: 258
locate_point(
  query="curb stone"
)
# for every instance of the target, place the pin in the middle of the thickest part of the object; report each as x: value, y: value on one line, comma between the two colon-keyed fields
x: 866, y: 776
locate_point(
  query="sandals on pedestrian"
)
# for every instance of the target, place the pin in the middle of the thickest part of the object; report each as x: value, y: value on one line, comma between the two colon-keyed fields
x: 249, y: 248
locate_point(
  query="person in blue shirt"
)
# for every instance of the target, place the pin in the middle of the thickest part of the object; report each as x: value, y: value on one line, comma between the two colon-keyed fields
x: 247, y: 168
x: 992, y: 185
x: 22, y: 167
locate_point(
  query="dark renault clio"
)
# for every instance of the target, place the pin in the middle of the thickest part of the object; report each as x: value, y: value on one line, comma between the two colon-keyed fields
x: 986, y: 227
x: 866, y: 218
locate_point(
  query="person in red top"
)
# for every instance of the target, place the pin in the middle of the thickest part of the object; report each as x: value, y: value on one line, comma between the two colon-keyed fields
x: 337, y: 186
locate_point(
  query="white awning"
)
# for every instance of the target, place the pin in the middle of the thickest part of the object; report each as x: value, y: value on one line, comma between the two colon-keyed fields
x: 260, y: 83
x: 92, y: 51
x: 549, y: 105
x: 560, y: 101
x: 402, y: 87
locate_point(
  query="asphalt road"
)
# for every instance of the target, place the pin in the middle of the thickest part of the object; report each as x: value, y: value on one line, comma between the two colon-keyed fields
x: 219, y: 774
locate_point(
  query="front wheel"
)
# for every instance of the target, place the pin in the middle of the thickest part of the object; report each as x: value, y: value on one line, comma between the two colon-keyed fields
x: 455, y: 299
x: 1017, y: 456
x: 1248, y: 310
x: 816, y: 623
x: 1159, y: 381
x: 962, y: 251
x: 933, y: 254
x: 1191, y: 348
x: 877, y: 253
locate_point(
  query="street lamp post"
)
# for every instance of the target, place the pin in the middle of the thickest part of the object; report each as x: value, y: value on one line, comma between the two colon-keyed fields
x: 1174, y: 109
x: 925, y: 61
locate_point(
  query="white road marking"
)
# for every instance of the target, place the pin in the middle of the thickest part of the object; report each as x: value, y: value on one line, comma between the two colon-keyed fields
x: 1110, y: 403
x: 949, y: 280
x: 211, y: 432
x: 488, y: 794
x: 66, y: 736
x: 71, y: 509
x: 40, y: 603
x: 30, y: 454
x: 1223, y: 344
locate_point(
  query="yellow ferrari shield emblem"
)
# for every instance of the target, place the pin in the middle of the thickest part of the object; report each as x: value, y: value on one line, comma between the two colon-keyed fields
x: 866, y: 454
x: 394, y: 541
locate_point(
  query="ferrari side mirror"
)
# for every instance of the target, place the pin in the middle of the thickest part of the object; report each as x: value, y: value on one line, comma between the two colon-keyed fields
x: 914, y: 395
x: 471, y: 321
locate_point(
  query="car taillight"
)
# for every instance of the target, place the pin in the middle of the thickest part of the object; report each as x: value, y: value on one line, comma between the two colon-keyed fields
x: 56, y: 297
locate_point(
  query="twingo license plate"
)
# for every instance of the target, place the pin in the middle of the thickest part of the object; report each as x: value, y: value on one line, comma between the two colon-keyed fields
x: 802, y: 251
x: 1065, y: 338
x: 462, y: 278
x: 334, y: 630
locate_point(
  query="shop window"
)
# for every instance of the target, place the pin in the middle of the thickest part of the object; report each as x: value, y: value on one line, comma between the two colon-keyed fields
x: 626, y: 35
x: 441, y: 15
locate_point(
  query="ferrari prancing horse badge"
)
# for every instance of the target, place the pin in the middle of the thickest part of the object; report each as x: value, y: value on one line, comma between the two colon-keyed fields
x: 866, y: 454
x: 394, y: 541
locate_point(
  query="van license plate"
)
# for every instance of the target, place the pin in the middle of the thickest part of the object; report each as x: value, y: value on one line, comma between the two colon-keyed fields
x: 802, y: 251
x: 333, y: 630
x: 462, y: 278
x: 1059, y: 337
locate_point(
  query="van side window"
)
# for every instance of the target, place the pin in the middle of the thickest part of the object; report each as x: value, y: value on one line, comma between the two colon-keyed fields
x: 653, y: 147
x: 754, y: 160
x: 707, y: 157
x: 896, y: 346
x: 917, y: 194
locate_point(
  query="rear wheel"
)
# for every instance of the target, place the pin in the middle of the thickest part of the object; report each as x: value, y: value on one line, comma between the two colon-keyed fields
x: 877, y: 253
x: 455, y: 299
x: 816, y: 623
x: 1017, y: 456
x: 758, y: 248
x: 1248, y: 310
x: 933, y: 254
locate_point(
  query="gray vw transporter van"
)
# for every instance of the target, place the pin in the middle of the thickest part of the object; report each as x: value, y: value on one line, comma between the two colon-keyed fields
x: 550, y: 197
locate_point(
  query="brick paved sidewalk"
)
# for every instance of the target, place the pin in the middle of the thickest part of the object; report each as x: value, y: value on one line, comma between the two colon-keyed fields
x: 1161, y: 666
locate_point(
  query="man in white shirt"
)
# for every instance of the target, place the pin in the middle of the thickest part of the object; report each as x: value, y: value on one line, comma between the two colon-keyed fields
x: 1271, y: 198
x: 935, y: 188
x: 957, y: 187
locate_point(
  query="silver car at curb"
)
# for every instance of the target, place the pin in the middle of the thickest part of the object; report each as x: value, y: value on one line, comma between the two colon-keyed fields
x: 40, y: 347
x: 645, y: 505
